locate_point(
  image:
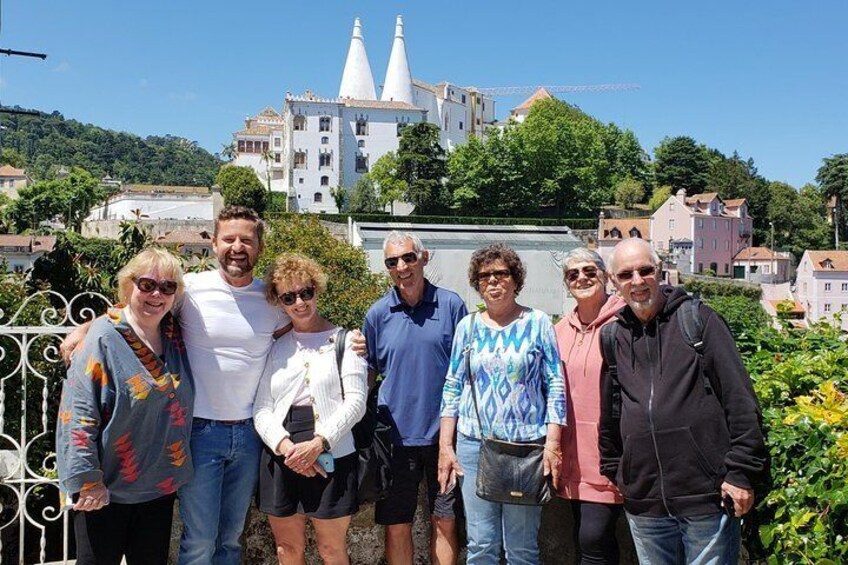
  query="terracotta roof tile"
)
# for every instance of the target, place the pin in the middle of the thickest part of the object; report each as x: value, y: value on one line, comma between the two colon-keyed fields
x: 269, y: 112
x: 839, y: 260
x: 10, y: 171
x: 33, y: 244
x: 624, y: 226
x: 734, y: 202
x: 759, y: 253
x: 703, y: 197
x: 540, y: 94
x: 186, y: 237
x: 255, y: 130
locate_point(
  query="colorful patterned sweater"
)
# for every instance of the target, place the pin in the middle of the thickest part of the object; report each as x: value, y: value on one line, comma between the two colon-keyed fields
x: 518, y: 378
x: 125, y: 414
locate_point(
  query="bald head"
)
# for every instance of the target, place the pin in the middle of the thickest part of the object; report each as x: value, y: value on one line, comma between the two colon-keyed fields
x: 634, y: 268
x: 631, y: 245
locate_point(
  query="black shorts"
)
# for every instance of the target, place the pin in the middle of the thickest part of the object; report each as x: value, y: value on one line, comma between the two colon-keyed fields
x: 283, y: 493
x: 409, y: 466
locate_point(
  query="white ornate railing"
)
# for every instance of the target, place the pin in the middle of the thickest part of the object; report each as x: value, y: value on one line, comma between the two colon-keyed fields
x: 31, y: 372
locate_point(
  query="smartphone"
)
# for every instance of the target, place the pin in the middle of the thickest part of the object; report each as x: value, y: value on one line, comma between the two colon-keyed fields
x: 729, y: 506
x: 327, y: 463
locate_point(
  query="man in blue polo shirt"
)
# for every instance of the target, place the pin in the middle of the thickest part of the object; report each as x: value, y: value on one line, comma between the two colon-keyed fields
x: 409, y: 333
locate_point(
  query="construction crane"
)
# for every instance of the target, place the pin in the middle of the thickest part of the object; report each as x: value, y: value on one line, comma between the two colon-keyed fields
x: 516, y: 90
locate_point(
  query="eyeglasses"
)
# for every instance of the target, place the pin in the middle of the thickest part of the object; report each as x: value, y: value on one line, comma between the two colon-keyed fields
x: 165, y: 286
x: 644, y: 272
x: 500, y: 275
x: 588, y: 271
x: 305, y: 294
x: 410, y: 258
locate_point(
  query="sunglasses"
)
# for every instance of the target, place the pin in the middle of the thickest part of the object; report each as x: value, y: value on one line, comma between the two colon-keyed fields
x: 306, y: 294
x: 589, y: 272
x: 500, y: 275
x: 165, y: 286
x: 644, y: 272
x: 410, y: 258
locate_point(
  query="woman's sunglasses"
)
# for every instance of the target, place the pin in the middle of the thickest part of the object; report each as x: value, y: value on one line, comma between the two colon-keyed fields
x: 572, y: 275
x: 165, y: 286
x: 410, y: 258
x: 644, y: 272
x: 305, y: 294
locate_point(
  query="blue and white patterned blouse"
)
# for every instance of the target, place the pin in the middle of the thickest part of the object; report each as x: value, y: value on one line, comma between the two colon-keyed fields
x: 518, y: 375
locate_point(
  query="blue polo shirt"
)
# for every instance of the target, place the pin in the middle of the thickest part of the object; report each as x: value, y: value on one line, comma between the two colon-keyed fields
x: 411, y: 347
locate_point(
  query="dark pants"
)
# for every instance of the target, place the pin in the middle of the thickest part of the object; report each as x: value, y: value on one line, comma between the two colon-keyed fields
x: 141, y: 532
x: 594, y: 524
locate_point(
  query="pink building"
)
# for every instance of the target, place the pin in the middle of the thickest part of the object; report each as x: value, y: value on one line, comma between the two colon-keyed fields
x: 701, y: 232
x: 821, y: 285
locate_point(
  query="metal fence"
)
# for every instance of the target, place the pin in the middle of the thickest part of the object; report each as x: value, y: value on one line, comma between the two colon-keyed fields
x: 33, y: 527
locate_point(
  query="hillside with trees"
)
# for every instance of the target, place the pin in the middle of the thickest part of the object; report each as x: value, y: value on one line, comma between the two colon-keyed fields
x: 44, y: 143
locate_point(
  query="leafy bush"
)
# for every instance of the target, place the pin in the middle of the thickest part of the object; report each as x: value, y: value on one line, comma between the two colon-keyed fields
x: 573, y: 223
x: 352, y: 288
x: 705, y: 289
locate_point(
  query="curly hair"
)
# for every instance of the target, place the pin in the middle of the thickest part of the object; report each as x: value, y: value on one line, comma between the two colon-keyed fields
x: 145, y: 262
x: 293, y: 268
x: 492, y: 253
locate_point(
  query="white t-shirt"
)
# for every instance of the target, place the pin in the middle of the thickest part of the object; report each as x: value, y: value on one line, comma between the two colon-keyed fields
x: 228, y: 332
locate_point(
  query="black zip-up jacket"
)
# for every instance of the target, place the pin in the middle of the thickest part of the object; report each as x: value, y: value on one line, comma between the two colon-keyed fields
x: 676, y: 442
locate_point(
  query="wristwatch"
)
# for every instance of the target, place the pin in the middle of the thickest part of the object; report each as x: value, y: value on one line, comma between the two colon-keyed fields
x: 324, y: 443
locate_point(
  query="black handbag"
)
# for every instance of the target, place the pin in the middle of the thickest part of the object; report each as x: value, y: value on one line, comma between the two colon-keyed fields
x: 372, y: 439
x: 508, y: 472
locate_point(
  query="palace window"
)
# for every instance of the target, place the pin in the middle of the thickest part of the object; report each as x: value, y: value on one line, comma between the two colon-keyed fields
x: 360, y: 143
x: 460, y: 126
x: 325, y: 160
x: 325, y: 140
x: 463, y: 100
x: 827, y: 307
x: 361, y: 126
x: 827, y: 287
x: 276, y: 157
x: 324, y: 123
x: 318, y: 198
x: 844, y: 287
x: 361, y: 164
x: 277, y: 142
x: 325, y: 181
x: 300, y: 160
x: 635, y: 233
x: 299, y: 123
x: 241, y: 146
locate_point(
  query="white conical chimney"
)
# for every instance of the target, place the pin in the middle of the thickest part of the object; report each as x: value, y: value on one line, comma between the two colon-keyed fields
x: 357, y: 81
x: 398, y: 85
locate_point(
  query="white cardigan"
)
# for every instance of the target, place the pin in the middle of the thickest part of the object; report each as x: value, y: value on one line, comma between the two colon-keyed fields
x: 286, y: 369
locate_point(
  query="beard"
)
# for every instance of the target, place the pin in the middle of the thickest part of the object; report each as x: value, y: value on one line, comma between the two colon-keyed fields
x: 237, y: 268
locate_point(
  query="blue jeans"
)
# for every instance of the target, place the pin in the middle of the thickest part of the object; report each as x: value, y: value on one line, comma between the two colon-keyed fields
x: 214, y: 504
x: 490, y: 524
x: 712, y: 539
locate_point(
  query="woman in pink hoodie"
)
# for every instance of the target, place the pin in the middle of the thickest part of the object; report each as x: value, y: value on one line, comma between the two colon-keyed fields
x: 595, y: 501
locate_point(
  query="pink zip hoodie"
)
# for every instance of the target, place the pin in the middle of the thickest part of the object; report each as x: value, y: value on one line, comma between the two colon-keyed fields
x: 580, y: 351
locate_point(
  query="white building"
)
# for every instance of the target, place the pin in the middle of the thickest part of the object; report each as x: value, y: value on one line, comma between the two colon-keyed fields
x: 12, y: 180
x: 157, y: 202
x: 821, y: 285
x: 317, y: 144
x: 20, y: 251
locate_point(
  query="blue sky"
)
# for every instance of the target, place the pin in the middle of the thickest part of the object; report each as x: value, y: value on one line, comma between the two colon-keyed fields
x: 769, y: 79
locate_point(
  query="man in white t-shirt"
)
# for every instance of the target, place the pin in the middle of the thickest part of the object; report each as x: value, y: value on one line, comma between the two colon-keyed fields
x: 228, y: 328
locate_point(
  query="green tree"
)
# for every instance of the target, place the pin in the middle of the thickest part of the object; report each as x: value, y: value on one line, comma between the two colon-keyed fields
x: 658, y: 198
x: 682, y: 163
x: 832, y: 177
x: 13, y: 157
x: 241, y: 187
x: 389, y: 185
x: 70, y: 198
x: 6, y: 223
x: 351, y: 289
x: 629, y: 192
x: 363, y: 197
x: 340, y: 197
x: 421, y: 165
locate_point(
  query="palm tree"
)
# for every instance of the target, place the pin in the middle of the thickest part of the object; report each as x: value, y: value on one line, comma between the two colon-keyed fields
x: 267, y: 156
x: 229, y: 151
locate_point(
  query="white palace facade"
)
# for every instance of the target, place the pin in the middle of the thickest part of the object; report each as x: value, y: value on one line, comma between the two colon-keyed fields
x: 317, y: 144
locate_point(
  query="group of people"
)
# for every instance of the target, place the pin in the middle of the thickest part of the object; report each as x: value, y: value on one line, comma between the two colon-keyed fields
x: 215, y: 388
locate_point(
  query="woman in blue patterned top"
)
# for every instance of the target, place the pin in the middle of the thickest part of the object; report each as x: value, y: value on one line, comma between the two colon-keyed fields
x: 520, y: 391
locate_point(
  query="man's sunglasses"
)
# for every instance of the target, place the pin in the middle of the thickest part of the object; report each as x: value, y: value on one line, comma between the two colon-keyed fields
x: 500, y: 275
x: 644, y: 272
x: 165, y: 286
x: 410, y: 258
x: 305, y: 294
x: 589, y: 272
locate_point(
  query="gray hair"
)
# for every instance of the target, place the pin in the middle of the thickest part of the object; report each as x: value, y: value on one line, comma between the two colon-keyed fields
x: 396, y: 237
x: 639, y: 242
x: 583, y: 255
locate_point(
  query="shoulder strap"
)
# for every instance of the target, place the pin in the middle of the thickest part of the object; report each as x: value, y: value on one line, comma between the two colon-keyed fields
x: 341, y: 340
x: 468, y: 374
x: 692, y: 327
x: 608, y: 333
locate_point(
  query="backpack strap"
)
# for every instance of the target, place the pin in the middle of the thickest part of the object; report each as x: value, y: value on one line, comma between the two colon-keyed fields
x: 692, y: 328
x: 608, y: 333
x: 341, y: 340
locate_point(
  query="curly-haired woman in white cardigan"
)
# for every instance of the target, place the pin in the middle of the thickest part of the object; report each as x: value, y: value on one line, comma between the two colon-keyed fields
x: 301, y: 412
